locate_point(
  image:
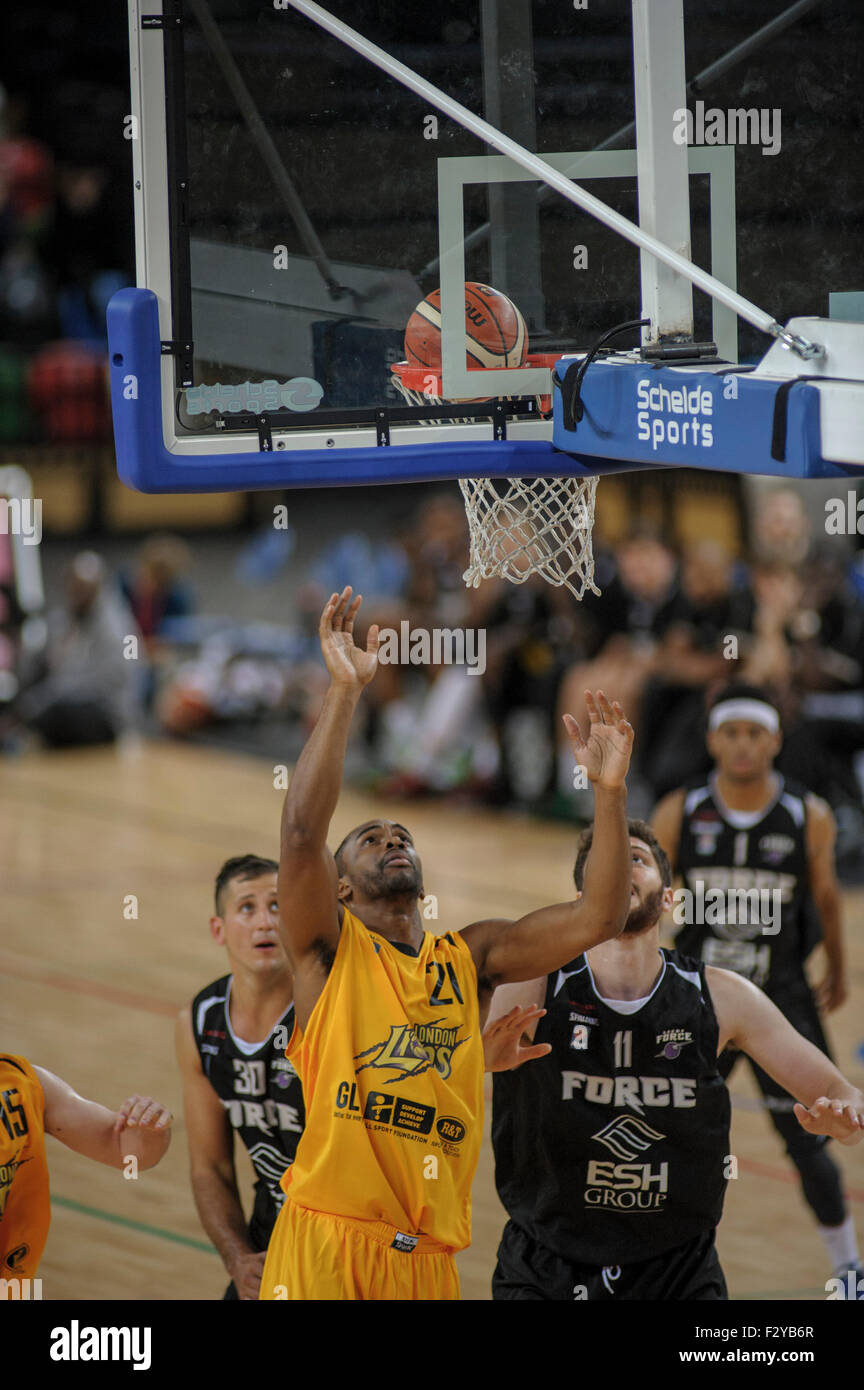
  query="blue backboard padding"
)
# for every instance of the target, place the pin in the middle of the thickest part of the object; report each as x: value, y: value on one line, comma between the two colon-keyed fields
x: 635, y: 413
x: 144, y: 463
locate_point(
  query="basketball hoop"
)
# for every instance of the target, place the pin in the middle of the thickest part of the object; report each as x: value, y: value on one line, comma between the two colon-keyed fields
x: 518, y: 526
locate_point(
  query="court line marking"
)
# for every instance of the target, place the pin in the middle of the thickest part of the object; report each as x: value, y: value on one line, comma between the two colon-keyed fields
x: 150, y: 1004
x: 192, y: 1244
x: 766, y: 1170
x: 102, y: 807
x: 74, y: 984
x: 140, y: 1226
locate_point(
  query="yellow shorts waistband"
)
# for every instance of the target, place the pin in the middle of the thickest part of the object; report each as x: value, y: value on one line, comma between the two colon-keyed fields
x: 409, y: 1242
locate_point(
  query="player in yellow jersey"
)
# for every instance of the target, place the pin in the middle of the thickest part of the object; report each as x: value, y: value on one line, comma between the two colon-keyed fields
x: 33, y: 1103
x: 387, y: 1040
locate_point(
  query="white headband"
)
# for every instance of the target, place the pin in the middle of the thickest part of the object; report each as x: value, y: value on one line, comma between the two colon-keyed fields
x: 755, y: 711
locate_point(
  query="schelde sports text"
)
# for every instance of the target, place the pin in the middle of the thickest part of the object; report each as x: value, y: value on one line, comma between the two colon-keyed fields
x: 687, y: 407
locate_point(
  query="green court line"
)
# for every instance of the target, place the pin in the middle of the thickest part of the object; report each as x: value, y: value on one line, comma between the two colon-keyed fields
x: 132, y: 1225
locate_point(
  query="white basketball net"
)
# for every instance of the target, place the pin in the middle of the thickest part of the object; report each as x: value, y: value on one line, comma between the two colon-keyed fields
x: 523, y: 526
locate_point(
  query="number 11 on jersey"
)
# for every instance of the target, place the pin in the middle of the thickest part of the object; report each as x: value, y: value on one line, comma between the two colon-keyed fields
x: 623, y: 1044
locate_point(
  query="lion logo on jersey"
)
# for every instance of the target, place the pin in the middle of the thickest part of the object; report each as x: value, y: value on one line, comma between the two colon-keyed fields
x: 411, y: 1049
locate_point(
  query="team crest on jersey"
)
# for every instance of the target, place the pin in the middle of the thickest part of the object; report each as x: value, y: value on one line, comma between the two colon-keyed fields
x: 672, y: 1041
x: 411, y: 1049
x: 7, y: 1173
x: 579, y: 1037
x: 285, y: 1072
x: 775, y: 848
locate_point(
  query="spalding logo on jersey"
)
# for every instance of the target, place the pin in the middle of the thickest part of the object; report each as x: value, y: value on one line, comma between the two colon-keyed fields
x: 705, y: 827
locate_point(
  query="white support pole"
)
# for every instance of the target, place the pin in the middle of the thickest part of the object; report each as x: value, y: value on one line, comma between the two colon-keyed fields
x: 541, y: 170
x: 661, y: 164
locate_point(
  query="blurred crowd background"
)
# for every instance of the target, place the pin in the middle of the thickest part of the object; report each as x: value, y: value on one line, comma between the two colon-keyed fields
x: 140, y: 637
x: 145, y: 625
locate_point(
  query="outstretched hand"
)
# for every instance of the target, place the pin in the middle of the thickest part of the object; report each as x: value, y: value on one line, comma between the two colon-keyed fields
x: 502, y: 1040
x: 839, y: 1119
x: 605, y: 753
x: 349, y: 666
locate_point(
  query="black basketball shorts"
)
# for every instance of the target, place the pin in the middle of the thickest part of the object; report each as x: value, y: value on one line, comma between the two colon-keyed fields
x: 528, y: 1270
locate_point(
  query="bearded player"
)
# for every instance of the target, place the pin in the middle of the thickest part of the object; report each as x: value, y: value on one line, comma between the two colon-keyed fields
x: 387, y: 1039
x: 611, y: 1151
x: 746, y: 828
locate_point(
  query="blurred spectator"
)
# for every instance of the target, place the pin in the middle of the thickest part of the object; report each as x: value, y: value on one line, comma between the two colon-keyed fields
x: 27, y: 310
x: 623, y: 629
x: 781, y: 527
x: 709, y: 622
x: 26, y: 176
x: 68, y: 393
x: 87, y: 694
x: 532, y: 631
x: 155, y: 590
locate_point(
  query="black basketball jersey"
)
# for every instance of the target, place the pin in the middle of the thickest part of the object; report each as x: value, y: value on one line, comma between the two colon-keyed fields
x: 260, y: 1091
x: 614, y: 1147
x: 746, y: 875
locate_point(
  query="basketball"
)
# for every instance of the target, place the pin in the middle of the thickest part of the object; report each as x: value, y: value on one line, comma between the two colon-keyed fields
x: 496, y: 334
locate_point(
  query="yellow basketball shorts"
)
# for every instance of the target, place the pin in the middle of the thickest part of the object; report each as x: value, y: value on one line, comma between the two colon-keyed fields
x: 314, y: 1255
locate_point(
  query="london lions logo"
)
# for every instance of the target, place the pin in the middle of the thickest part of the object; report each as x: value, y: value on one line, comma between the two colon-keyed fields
x: 412, y: 1049
x: 7, y: 1173
x: 673, y: 1041
x: 628, y: 1137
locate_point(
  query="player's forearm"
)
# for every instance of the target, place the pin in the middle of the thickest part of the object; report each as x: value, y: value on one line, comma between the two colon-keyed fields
x: 838, y: 1088
x: 146, y: 1146
x: 317, y: 779
x: 221, y: 1214
x: 606, y: 881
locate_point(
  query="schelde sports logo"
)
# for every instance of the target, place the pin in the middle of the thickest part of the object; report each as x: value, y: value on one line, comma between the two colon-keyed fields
x: 682, y: 415
x: 411, y: 1049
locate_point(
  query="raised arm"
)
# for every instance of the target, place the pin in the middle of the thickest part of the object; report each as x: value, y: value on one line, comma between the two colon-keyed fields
x: 309, y: 911
x: 505, y: 951
x: 211, y: 1167
x: 140, y: 1129
x: 827, y: 1102
x: 821, y: 832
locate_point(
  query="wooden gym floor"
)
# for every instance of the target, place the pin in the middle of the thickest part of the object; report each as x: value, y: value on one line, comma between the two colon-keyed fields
x: 92, y: 996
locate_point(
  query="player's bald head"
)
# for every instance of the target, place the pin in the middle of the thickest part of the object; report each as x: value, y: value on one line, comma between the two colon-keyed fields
x: 354, y: 836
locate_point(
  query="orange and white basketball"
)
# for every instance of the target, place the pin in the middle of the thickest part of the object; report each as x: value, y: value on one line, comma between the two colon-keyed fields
x: 496, y: 334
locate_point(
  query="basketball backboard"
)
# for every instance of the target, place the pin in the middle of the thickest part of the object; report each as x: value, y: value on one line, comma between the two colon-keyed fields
x: 294, y: 203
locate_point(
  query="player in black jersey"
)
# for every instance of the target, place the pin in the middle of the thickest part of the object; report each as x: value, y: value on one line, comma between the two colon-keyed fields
x: 612, y: 1151
x: 756, y: 857
x: 233, y: 1085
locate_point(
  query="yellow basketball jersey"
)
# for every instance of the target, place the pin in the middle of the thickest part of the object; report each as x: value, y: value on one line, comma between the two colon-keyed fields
x: 25, y: 1211
x: 392, y: 1069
